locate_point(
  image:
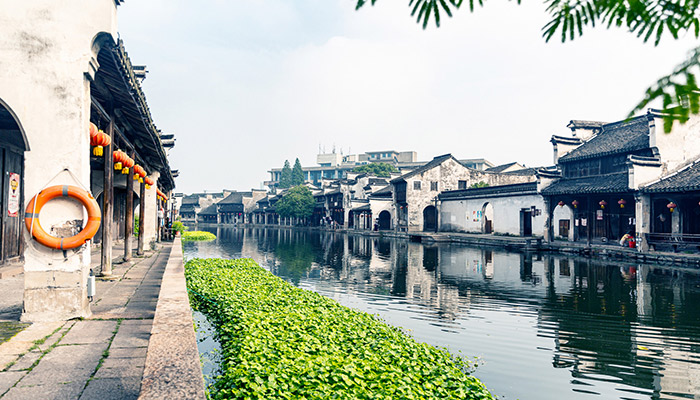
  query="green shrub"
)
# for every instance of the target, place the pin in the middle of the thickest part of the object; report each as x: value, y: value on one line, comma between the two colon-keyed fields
x: 279, y: 341
x: 178, y: 227
x: 197, y: 236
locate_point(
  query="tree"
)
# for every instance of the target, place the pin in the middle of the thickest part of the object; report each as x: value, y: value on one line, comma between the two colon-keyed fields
x: 297, y: 174
x: 286, y: 176
x: 378, y: 169
x: 296, y: 202
x: 646, y: 18
x: 479, y: 184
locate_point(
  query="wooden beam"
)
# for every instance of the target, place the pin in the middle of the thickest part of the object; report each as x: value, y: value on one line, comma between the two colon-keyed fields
x: 129, y: 223
x: 107, y: 210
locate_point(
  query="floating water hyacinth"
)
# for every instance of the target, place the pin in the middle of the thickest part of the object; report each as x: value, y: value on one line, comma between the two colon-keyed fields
x: 283, y: 342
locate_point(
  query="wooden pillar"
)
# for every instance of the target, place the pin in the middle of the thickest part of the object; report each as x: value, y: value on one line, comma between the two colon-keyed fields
x: 107, y: 210
x: 129, y: 223
x: 142, y: 218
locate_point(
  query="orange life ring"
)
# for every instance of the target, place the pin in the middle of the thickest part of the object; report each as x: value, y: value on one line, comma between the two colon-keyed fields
x: 31, y: 217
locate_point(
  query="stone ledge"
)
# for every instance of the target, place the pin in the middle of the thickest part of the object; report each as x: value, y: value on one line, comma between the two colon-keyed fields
x: 173, y: 369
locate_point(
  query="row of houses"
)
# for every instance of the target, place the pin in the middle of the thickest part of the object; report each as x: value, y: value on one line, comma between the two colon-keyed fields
x: 607, y: 180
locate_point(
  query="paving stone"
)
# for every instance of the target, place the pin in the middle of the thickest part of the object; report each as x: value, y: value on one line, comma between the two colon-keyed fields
x: 27, y: 361
x: 122, y: 372
x: 56, y: 391
x: 8, y: 379
x: 66, y: 364
x: 51, y: 340
x: 84, y: 332
x: 132, y: 336
x: 112, y: 389
x: 127, y: 352
x: 114, y: 362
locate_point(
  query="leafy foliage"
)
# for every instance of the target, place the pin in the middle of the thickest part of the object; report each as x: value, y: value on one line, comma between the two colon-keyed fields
x: 379, y: 169
x: 297, y: 174
x: 477, y: 185
x: 197, y: 236
x: 279, y: 341
x: 296, y: 202
x: 648, y: 19
x: 179, y: 227
x: 286, y: 176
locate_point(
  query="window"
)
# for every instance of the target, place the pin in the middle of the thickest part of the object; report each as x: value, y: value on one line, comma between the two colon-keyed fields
x: 462, y: 185
x: 434, y: 186
x: 416, y: 185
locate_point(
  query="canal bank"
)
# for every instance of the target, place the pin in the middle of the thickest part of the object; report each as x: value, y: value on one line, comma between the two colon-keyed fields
x: 602, y: 251
x: 136, y: 344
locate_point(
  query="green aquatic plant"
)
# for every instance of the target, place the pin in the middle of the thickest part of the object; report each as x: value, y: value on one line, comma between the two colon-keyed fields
x: 282, y: 342
x: 197, y: 236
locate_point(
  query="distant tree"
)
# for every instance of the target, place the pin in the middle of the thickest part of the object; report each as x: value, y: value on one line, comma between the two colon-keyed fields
x: 478, y: 185
x: 297, y: 174
x: 286, y: 176
x: 296, y: 202
x: 379, y: 169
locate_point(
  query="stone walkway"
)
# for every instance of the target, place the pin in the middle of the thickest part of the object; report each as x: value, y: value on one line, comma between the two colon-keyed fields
x: 102, y: 357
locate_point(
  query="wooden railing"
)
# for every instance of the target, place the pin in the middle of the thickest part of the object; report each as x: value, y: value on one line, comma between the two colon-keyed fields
x: 674, y: 240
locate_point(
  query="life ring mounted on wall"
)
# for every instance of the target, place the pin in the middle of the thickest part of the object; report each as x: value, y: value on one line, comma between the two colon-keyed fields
x: 31, y: 217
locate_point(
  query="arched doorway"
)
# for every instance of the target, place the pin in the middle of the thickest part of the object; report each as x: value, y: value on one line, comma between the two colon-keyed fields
x: 430, y: 219
x: 384, y: 220
x: 13, y: 144
x: 487, y: 218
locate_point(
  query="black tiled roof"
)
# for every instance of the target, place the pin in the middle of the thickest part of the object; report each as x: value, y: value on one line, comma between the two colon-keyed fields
x: 430, y: 165
x: 618, y: 137
x: 490, y: 191
x: 211, y: 210
x: 500, y: 168
x: 610, y: 183
x: 685, y: 180
x: 233, y: 198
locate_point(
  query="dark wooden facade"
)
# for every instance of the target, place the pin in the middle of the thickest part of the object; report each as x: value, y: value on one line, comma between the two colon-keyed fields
x: 12, y: 147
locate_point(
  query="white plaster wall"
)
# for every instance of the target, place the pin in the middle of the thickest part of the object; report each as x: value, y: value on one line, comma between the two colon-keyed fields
x: 459, y: 215
x: 379, y: 205
x: 559, y: 213
x: 642, y: 174
x: 448, y: 174
x: 679, y: 146
x: 47, y: 48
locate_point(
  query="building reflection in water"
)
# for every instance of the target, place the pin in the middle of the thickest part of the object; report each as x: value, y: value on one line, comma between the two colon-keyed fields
x: 621, y: 330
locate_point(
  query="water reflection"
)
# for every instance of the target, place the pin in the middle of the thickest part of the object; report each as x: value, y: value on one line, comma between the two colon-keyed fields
x: 545, y: 327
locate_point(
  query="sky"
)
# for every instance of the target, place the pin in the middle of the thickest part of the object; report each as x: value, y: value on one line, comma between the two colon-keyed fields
x: 248, y: 84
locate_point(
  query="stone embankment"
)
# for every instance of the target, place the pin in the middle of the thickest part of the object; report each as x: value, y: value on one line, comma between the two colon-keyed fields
x: 138, y: 343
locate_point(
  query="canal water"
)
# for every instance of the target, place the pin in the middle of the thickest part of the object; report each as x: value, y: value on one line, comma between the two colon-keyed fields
x: 541, y: 326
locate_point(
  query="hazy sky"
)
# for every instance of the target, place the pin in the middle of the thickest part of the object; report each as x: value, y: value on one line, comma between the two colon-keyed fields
x: 246, y: 84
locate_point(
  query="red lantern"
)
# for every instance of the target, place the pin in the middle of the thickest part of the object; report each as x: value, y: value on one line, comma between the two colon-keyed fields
x: 149, y: 182
x: 671, y: 206
x: 622, y: 203
x: 561, y: 204
x: 128, y: 163
x: 137, y: 172
x: 118, y: 156
x: 99, y: 140
x: 574, y: 203
x: 603, y: 203
x: 93, y: 131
